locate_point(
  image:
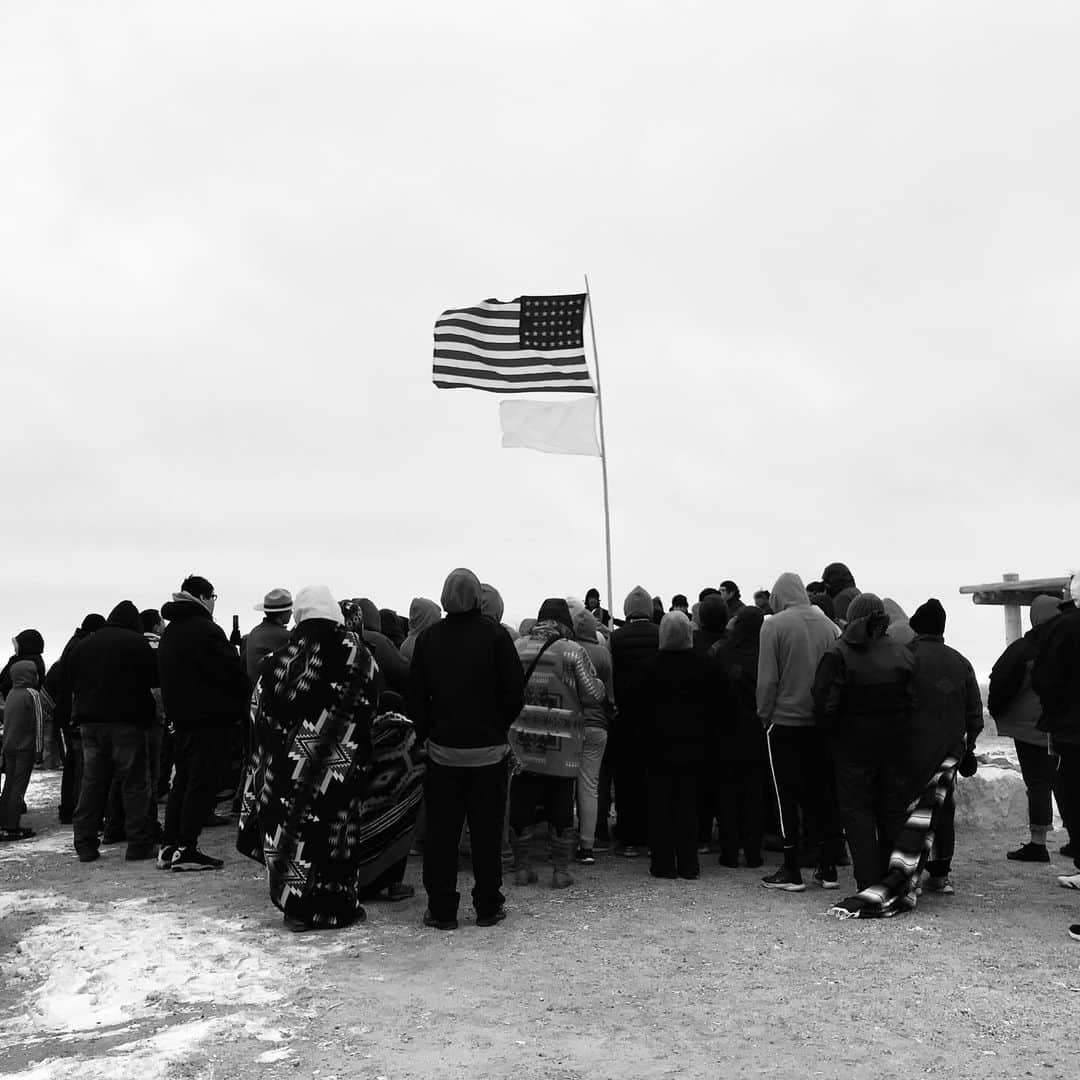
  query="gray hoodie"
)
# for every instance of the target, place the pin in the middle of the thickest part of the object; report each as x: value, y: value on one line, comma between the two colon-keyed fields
x: 793, y: 641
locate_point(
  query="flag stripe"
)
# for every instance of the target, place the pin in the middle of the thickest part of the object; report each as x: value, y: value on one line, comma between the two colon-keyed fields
x: 516, y: 388
x: 533, y: 367
x: 517, y: 358
x: 490, y: 342
x: 488, y: 309
x: 495, y: 327
x: 514, y: 376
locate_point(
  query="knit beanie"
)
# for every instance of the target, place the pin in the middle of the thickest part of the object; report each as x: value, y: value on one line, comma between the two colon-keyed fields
x: 929, y: 618
x: 864, y: 605
x: 1044, y: 608
x: 584, y: 626
x: 555, y: 609
x: 675, y: 632
x: 638, y: 604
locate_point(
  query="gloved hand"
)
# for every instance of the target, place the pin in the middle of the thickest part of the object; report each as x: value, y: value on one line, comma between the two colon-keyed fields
x: 969, y: 763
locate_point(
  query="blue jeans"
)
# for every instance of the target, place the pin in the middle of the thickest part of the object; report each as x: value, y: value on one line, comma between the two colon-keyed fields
x: 588, y: 783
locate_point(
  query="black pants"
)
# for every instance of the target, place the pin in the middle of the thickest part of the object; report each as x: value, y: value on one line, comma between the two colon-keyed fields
x: 555, y: 793
x: 1069, y: 779
x: 873, y: 794
x: 109, y: 748
x: 71, y: 780
x: 631, y: 792
x: 940, y: 863
x: 1039, y: 769
x: 739, y: 788
x: 803, y: 778
x: 197, y: 757
x: 707, y: 797
x: 673, y: 822
x: 603, y: 796
x: 18, y: 765
x: 114, y: 810
x: 452, y: 795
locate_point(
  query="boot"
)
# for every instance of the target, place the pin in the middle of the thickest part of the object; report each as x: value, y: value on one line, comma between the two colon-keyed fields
x: 560, y: 845
x: 524, y: 874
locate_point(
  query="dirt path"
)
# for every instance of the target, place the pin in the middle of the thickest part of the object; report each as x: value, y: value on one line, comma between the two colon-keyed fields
x: 114, y: 970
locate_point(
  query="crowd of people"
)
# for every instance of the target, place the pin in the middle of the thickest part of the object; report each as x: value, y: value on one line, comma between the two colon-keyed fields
x: 821, y: 716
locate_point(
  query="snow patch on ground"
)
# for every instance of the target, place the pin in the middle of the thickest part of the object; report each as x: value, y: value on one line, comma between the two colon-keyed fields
x: 54, y: 843
x: 96, y: 972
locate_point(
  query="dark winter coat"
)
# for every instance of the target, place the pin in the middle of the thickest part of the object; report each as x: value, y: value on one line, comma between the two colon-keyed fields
x: 202, y: 682
x: 466, y: 683
x: 712, y: 623
x: 864, y: 691
x: 264, y: 639
x: 676, y: 696
x: 633, y: 645
x: 739, y: 736
x: 1056, y: 679
x: 113, y: 672
x: 948, y: 714
x: 1012, y: 700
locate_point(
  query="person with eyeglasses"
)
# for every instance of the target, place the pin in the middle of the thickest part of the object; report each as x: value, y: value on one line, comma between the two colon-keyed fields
x: 205, y: 693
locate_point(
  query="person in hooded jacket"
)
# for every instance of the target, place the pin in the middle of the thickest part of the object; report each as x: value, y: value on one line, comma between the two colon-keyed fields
x: 597, y: 718
x: 560, y: 675
x: 362, y: 617
x: 422, y: 614
x: 593, y: 605
x: 712, y: 618
x: 837, y: 578
x: 739, y: 743
x: 632, y: 646
x: 206, y: 695
x: 22, y: 723
x: 946, y: 721
x: 1016, y: 710
x: 29, y: 645
x: 1055, y: 677
x: 676, y: 692
x: 465, y: 690
x: 792, y: 643
x: 58, y: 684
x: 491, y: 604
x: 864, y: 695
x: 113, y: 674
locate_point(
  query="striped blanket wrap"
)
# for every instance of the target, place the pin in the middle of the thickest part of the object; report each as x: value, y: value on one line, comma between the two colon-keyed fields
x: 897, y: 891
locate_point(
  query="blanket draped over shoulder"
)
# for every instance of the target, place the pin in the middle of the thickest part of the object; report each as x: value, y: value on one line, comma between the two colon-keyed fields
x: 897, y: 892
x: 312, y: 715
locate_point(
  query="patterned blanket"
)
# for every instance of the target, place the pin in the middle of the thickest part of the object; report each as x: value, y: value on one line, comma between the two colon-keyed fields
x: 898, y: 892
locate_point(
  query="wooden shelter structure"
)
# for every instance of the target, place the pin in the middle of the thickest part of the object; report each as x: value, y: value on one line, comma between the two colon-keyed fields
x: 1013, y: 594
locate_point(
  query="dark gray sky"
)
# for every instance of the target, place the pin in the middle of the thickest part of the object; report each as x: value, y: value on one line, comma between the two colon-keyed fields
x: 833, y: 256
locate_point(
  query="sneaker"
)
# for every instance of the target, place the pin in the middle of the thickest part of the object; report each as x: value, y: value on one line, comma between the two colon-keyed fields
x: 400, y: 891
x: 141, y: 853
x: 88, y: 854
x: 601, y: 847
x: 1029, y: 852
x: 494, y: 918
x: 730, y: 861
x: 944, y: 885
x: 560, y: 879
x: 783, y: 880
x: 585, y: 856
x: 1066, y: 850
x: 1074, y: 931
x: 439, y: 924
x: 754, y: 862
x: 627, y: 851
x: 164, y: 859
x: 827, y: 877
x: 1070, y: 881
x: 194, y: 859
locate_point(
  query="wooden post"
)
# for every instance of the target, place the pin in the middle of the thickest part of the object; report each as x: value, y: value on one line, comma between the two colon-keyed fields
x: 1013, y: 628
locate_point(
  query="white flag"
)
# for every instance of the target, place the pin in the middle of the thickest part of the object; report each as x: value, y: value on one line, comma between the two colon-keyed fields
x: 555, y: 427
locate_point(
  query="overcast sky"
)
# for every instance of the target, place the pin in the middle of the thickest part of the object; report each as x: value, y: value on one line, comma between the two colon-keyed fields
x: 832, y: 249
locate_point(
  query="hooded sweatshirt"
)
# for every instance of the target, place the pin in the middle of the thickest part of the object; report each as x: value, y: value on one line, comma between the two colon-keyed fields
x: 466, y: 683
x: 22, y: 709
x: 792, y: 644
x: 837, y: 578
x: 712, y: 620
x: 585, y: 633
x: 491, y: 604
x: 362, y: 618
x: 114, y: 671
x: 422, y: 614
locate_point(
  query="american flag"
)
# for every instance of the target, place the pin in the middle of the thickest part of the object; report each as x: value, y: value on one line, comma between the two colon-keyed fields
x: 514, y: 347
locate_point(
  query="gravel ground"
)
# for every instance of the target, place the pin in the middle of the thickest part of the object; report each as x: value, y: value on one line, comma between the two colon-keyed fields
x: 114, y: 970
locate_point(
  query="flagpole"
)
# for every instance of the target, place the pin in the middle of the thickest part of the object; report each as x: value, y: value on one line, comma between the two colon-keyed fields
x: 603, y: 447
